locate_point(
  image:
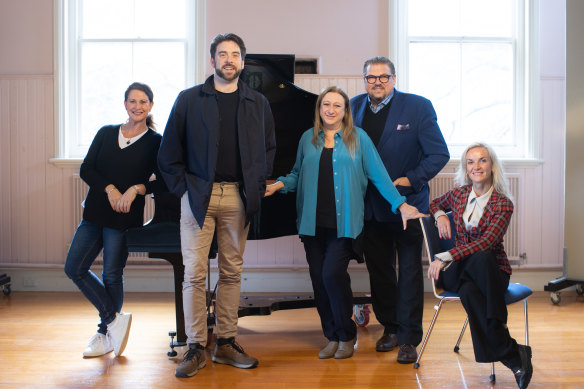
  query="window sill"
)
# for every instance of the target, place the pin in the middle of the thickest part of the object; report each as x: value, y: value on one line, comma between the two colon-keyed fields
x: 66, y: 162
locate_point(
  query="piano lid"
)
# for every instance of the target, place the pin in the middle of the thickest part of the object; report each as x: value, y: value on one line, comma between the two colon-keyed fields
x: 292, y: 107
x: 293, y: 110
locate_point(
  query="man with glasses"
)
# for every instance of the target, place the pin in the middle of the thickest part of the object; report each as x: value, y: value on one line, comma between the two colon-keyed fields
x: 404, y: 129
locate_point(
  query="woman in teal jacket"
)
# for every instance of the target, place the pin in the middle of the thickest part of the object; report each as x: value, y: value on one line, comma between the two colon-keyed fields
x: 334, y: 163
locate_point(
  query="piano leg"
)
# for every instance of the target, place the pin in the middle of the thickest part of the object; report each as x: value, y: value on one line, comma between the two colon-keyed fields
x: 176, y: 260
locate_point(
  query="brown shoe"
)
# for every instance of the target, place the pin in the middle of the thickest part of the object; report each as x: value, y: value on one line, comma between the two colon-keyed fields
x: 346, y: 349
x: 329, y: 350
x: 232, y: 354
x: 407, y: 353
x: 386, y: 343
x: 194, y: 360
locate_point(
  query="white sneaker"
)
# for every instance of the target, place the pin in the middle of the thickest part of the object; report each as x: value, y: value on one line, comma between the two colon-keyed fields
x: 118, y: 331
x: 98, y: 345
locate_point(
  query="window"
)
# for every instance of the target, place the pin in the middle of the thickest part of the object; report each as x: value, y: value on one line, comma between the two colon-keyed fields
x: 104, y: 46
x: 472, y: 60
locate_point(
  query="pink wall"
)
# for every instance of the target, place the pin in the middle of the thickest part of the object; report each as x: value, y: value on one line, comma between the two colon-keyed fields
x: 26, y: 37
x: 36, y: 218
x: 343, y: 33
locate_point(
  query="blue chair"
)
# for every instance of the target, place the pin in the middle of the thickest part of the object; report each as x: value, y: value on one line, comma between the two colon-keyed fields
x: 434, y: 245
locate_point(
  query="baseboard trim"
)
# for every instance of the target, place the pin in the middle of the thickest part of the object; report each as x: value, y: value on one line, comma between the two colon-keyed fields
x: 161, y: 279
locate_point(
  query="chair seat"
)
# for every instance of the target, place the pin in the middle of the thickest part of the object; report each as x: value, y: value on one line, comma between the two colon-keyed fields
x: 516, y: 292
x: 448, y: 294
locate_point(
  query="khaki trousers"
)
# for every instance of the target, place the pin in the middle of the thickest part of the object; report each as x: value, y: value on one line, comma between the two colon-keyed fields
x: 226, y: 213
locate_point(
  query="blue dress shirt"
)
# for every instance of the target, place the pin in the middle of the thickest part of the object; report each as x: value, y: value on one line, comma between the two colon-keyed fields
x: 350, y: 176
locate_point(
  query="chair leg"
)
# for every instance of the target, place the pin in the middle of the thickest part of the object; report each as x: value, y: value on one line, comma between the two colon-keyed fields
x: 526, y: 322
x: 492, y: 378
x: 438, y: 308
x: 456, y: 348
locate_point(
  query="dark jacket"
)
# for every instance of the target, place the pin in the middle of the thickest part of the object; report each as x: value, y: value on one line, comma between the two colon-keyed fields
x: 188, y: 153
x: 411, y: 146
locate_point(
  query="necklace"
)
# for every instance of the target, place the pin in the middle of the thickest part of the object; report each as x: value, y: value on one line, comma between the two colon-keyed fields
x: 129, y: 140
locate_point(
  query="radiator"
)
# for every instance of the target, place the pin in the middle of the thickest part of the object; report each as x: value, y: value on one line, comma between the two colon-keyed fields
x: 445, y: 181
x: 439, y: 185
x: 80, y: 189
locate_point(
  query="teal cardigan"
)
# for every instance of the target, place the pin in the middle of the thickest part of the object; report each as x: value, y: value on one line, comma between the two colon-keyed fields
x: 350, y: 177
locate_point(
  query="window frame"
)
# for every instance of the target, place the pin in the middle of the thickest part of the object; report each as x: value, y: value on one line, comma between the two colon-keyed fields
x: 67, y: 67
x: 526, y: 71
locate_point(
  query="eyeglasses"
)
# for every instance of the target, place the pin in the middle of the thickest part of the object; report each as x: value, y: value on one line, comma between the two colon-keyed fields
x: 384, y: 78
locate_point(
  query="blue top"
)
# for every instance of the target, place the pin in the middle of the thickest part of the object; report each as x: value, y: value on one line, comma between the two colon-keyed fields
x: 350, y: 177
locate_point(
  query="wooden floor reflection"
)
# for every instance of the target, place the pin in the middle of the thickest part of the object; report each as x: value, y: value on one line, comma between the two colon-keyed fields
x: 42, y: 336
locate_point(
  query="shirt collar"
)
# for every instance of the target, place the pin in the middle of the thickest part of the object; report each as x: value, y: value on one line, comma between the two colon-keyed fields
x: 480, y: 200
x: 380, y: 105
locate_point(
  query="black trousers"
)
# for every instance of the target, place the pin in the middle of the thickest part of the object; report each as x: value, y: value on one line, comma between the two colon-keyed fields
x: 398, y: 299
x: 328, y: 260
x: 481, y: 286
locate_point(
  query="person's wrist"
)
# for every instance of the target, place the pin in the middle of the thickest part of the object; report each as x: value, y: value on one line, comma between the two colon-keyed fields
x: 110, y: 190
x: 136, y: 189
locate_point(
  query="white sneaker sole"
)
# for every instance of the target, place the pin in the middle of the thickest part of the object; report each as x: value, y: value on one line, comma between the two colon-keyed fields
x: 96, y: 354
x: 126, y: 322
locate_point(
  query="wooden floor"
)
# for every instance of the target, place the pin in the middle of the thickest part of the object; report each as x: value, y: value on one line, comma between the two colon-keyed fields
x: 42, y: 336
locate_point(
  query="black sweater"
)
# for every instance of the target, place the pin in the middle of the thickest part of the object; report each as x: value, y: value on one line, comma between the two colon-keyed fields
x: 105, y: 163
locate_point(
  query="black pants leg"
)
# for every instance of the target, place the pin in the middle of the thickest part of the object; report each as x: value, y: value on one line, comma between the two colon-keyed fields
x: 482, y: 286
x: 398, y: 303
x: 328, y: 260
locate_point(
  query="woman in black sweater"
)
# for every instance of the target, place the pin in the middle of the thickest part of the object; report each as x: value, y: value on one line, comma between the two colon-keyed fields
x: 117, y: 168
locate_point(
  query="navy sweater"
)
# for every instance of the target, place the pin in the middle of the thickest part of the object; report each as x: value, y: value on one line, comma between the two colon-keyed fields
x: 106, y: 164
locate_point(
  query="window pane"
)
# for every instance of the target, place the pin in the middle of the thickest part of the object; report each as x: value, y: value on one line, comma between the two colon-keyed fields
x: 431, y: 17
x: 107, y: 19
x: 161, y: 19
x: 471, y: 87
x: 471, y: 18
x: 130, y: 19
x: 108, y: 69
x: 487, y: 18
x: 106, y: 72
x: 164, y: 72
x: 487, y: 94
x: 435, y: 74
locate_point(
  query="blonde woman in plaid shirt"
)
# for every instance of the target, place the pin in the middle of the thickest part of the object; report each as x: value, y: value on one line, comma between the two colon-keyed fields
x: 477, y: 267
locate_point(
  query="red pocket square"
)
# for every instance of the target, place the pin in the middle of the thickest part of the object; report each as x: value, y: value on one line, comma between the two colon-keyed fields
x: 401, y: 127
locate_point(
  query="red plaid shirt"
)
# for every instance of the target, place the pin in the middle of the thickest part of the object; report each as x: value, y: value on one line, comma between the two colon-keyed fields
x: 488, y: 235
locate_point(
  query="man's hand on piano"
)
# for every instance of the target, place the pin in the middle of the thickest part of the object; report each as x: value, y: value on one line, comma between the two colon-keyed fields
x: 273, y: 188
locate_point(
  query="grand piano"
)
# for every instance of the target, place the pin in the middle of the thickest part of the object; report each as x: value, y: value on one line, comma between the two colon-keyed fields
x: 293, y: 110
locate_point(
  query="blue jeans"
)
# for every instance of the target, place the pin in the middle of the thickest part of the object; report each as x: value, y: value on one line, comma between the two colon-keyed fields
x: 106, y: 296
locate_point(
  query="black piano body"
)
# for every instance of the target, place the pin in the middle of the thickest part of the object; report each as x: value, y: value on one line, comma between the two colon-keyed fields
x: 293, y: 109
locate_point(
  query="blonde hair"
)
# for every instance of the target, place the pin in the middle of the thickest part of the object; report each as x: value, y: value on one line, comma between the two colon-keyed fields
x: 348, y: 134
x: 499, y: 180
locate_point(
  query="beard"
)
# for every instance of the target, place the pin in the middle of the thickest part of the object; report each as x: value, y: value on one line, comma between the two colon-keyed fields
x: 220, y: 73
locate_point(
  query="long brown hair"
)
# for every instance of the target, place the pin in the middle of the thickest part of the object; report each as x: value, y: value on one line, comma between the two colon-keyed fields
x: 348, y: 134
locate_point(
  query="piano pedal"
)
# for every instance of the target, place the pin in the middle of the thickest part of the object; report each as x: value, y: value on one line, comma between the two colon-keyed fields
x: 172, y: 352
